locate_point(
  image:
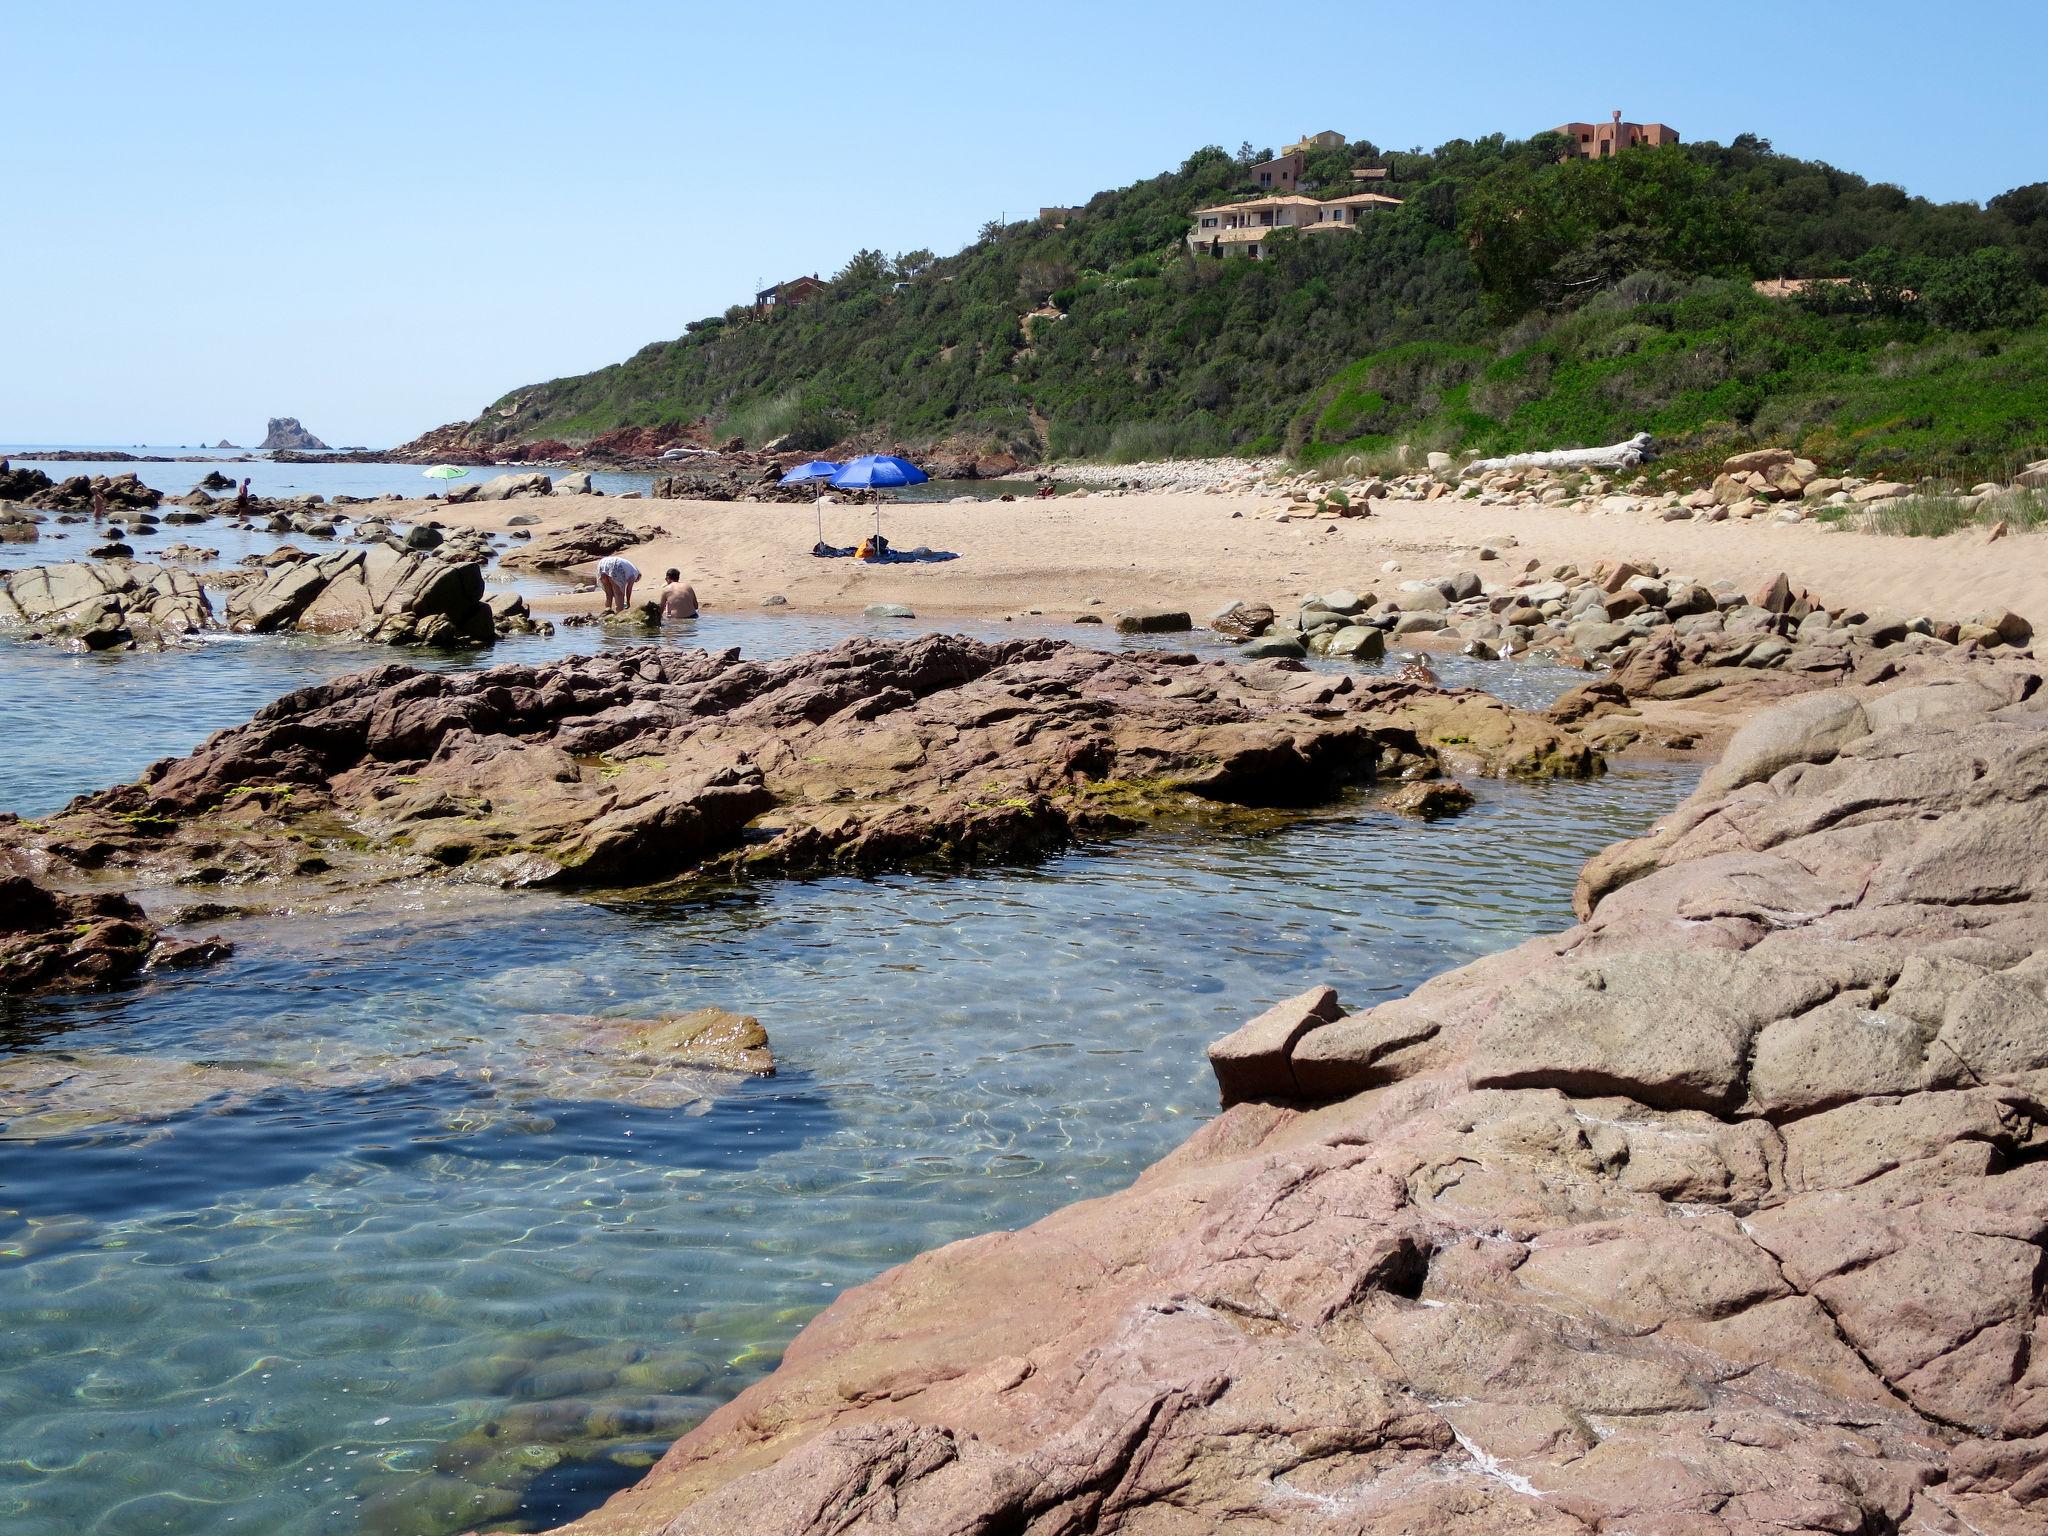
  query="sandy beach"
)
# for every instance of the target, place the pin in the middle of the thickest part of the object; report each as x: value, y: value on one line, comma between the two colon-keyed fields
x: 1199, y: 552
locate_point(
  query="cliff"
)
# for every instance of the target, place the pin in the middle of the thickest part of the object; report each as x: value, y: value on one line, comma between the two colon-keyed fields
x: 1720, y: 1212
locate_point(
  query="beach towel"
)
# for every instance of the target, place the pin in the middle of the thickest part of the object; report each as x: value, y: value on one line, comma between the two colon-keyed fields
x: 917, y: 556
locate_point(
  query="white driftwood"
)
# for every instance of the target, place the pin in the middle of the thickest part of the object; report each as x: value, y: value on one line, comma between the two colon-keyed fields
x: 1621, y: 456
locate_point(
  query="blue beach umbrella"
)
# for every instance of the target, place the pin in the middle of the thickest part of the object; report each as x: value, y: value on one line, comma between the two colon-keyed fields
x: 878, y: 471
x: 875, y: 471
x: 816, y: 469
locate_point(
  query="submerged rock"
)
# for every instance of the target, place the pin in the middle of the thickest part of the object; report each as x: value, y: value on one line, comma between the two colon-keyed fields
x: 54, y: 941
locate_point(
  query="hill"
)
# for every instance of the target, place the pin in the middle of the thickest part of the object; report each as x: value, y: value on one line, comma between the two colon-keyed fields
x: 1511, y: 301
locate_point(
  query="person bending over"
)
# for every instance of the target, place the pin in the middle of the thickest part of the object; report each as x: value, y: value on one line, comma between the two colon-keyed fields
x: 678, y: 598
x: 616, y: 575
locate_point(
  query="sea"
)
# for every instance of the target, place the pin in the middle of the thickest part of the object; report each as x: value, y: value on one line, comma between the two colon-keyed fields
x: 323, y: 1241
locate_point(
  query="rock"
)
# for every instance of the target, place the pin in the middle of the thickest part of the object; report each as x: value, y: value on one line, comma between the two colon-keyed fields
x: 377, y: 592
x: 522, y: 520
x: 576, y: 484
x: 777, y: 600
x: 1717, y: 1212
x: 1775, y: 595
x: 51, y: 941
x: 105, y: 605
x: 1757, y: 461
x: 888, y: 611
x: 578, y: 545
x: 505, y: 487
x: 1241, y: 620
x: 642, y: 766
x: 1253, y: 1061
x: 1153, y: 621
x: 1429, y: 799
x: 423, y: 536
x: 2008, y: 626
x: 1808, y: 730
x: 1358, y: 642
x: 284, y: 432
x: 1267, y: 647
x: 1344, y: 601
x: 707, y: 1038
x: 1879, y: 490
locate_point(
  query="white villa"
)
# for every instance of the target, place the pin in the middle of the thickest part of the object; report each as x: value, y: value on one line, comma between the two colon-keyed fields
x: 1244, y: 228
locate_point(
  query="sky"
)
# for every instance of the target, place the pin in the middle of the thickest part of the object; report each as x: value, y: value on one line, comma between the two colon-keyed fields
x: 380, y: 217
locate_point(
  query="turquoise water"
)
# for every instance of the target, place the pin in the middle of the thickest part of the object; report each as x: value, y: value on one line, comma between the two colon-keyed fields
x: 403, y: 1264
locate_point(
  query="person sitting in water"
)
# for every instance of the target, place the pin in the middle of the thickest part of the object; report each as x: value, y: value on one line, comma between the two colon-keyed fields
x: 616, y: 575
x: 678, y: 598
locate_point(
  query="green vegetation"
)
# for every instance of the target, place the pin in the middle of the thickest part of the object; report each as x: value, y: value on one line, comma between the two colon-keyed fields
x: 1514, y: 301
x: 1931, y: 517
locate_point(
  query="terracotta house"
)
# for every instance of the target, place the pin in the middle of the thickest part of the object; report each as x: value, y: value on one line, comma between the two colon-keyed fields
x: 1599, y: 141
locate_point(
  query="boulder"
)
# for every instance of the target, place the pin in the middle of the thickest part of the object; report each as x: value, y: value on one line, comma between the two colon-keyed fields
x: 1241, y: 620
x: 2008, y: 626
x: 578, y: 545
x: 1154, y: 621
x: 576, y: 484
x: 505, y: 487
x: 1429, y: 799
x: 1358, y: 642
x: 1252, y: 1062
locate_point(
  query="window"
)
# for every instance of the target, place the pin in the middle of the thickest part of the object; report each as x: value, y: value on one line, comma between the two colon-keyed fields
x: 1265, y: 218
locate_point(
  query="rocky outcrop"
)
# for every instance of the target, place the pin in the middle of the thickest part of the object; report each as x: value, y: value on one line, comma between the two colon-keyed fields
x: 399, y: 597
x: 1721, y: 1212
x: 579, y: 545
x: 100, y: 605
x: 19, y: 483
x: 119, y: 493
x: 641, y: 767
x: 284, y: 432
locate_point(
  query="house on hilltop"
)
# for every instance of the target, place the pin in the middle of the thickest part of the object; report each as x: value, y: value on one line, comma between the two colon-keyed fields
x: 798, y: 290
x: 1281, y: 174
x: 1232, y: 229
x: 1599, y: 141
x: 1329, y: 138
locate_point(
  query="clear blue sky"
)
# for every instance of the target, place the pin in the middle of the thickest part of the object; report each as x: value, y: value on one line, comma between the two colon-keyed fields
x: 379, y: 217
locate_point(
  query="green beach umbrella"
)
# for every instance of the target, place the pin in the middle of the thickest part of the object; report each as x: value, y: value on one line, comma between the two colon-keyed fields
x: 445, y: 472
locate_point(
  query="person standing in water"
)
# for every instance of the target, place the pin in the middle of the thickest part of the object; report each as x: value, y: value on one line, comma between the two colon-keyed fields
x: 616, y: 575
x: 678, y: 598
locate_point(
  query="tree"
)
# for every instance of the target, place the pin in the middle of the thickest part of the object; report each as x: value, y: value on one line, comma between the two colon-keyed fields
x: 909, y: 264
x: 1246, y: 155
x: 1989, y: 289
x: 864, y: 269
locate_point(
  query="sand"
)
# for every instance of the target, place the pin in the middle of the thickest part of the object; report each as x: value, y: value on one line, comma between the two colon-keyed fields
x: 1185, y: 550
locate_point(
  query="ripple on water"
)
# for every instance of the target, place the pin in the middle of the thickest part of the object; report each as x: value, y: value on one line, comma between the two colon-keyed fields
x: 412, y: 1291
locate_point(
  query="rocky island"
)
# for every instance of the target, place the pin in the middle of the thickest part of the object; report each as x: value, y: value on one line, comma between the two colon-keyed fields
x: 284, y: 432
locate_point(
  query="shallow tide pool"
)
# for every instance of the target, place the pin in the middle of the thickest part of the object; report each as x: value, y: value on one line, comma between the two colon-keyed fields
x: 403, y: 1273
